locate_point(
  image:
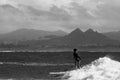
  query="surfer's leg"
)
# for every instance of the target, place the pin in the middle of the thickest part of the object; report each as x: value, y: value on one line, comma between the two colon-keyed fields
x: 79, y: 64
x: 75, y: 64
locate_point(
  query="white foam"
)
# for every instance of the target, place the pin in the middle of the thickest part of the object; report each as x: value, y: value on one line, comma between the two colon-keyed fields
x: 56, y: 73
x: 35, y: 64
x: 101, y: 69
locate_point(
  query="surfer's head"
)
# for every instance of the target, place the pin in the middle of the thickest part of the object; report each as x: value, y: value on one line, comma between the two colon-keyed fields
x: 74, y: 49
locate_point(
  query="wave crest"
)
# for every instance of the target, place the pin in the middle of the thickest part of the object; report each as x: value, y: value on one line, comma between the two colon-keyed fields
x: 100, y: 69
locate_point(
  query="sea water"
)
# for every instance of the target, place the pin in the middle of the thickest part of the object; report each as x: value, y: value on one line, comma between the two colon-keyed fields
x: 54, y: 66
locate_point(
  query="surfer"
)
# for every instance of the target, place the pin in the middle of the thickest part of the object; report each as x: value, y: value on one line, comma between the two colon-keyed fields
x: 77, y: 58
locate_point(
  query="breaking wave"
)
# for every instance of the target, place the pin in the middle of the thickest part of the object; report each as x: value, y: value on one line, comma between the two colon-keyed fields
x: 101, y: 69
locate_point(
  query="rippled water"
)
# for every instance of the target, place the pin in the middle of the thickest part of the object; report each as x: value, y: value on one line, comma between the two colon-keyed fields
x: 31, y: 71
x: 42, y: 65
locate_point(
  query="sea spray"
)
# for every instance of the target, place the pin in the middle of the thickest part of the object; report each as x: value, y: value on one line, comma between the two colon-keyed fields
x: 100, y: 69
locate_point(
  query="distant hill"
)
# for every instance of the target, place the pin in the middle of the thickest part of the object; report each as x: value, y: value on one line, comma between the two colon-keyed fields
x: 113, y: 35
x: 80, y: 38
x: 29, y: 34
x: 76, y: 38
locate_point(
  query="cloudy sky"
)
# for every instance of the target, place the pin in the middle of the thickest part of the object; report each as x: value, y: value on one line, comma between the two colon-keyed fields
x: 101, y: 15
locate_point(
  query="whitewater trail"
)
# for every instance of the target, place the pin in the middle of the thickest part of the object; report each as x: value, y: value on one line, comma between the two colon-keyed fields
x: 101, y: 69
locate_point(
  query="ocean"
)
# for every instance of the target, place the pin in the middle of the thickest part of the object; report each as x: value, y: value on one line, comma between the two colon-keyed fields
x: 39, y: 65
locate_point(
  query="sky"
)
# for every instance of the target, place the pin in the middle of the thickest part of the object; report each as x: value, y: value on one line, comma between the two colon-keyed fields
x: 66, y: 15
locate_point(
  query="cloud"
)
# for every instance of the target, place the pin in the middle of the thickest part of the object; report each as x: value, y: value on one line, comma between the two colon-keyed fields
x: 14, y: 18
x: 101, y: 15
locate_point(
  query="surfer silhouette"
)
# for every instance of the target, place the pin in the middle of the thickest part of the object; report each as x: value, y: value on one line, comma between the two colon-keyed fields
x: 77, y: 58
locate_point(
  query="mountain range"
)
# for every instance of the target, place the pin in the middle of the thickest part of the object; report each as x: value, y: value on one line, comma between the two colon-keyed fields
x: 59, y: 38
x: 80, y: 38
x: 113, y: 35
x: 29, y: 34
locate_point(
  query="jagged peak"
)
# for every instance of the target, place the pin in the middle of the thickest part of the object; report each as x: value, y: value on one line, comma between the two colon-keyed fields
x: 77, y: 30
x: 90, y: 31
